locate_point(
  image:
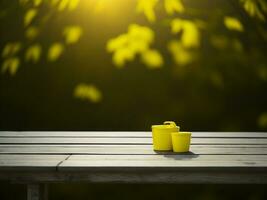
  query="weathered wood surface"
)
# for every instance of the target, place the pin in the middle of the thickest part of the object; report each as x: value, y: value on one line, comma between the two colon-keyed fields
x: 130, y: 149
x: 215, y: 157
x: 124, y: 134
x: 118, y: 141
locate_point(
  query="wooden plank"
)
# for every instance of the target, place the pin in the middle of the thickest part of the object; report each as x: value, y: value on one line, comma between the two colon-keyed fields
x: 79, y: 134
x: 130, y: 149
x: 141, y: 141
x: 85, y: 162
x: 146, y: 134
x: 30, y: 162
x: 144, y: 175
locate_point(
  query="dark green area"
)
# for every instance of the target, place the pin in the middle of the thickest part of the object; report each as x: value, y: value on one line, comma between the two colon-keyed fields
x: 141, y: 192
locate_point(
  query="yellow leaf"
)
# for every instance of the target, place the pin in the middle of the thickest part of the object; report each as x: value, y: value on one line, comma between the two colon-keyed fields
x: 116, y: 43
x: 37, y: 2
x: 152, y: 58
x: 252, y: 8
x: 67, y: 4
x: 88, y: 92
x: 177, y: 25
x: 72, y: 34
x: 33, y: 53
x: 121, y: 56
x: 172, y: 6
x: 140, y: 33
x: 29, y: 16
x: 233, y: 23
x: 147, y: 7
x: 11, y: 65
x: 55, y: 51
x: 181, y: 55
x: 190, y: 37
x: 11, y: 49
x: 31, y: 32
x: 73, y: 4
x: 126, y: 46
x: 63, y: 5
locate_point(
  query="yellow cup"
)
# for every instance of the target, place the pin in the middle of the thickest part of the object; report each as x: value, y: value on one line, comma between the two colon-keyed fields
x: 162, y: 140
x: 181, y: 141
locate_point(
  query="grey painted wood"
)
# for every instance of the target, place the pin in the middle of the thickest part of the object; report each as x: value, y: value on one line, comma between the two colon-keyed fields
x: 85, y: 162
x: 141, y: 141
x: 146, y: 134
x: 127, y: 157
x: 37, y: 192
x: 30, y: 162
x: 130, y: 149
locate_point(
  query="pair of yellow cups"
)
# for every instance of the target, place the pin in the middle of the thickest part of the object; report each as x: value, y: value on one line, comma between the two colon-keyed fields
x: 168, y: 137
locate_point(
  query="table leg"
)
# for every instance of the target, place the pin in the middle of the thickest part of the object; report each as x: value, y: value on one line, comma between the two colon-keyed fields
x: 37, y: 192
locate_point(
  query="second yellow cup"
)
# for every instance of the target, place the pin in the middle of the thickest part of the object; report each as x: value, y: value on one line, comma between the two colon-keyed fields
x: 181, y: 141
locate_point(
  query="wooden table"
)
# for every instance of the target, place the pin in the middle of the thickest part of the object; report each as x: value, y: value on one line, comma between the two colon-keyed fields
x: 39, y: 158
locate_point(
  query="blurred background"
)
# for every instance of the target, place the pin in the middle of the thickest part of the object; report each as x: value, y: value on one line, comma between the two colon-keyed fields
x: 128, y: 64
x: 124, y: 65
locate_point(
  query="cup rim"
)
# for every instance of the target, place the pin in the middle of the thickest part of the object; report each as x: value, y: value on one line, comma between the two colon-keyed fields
x: 164, y: 126
x: 182, y: 133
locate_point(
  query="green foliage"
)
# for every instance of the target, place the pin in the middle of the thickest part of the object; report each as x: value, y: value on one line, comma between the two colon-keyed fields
x: 213, y: 44
x: 88, y: 92
x: 33, y: 53
x: 147, y: 7
x: 11, y: 65
x: 55, y: 51
x: 152, y: 58
x: 182, y: 56
x: 233, y: 23
x: 72, y: 34
x: 136, y: 41
x: 32, y: 50
x: 255, y: 8
x: 66, y: 4
x: 190, y: 34
x: 11, y: 49
x: 172, y: 6
x: 29, y: 16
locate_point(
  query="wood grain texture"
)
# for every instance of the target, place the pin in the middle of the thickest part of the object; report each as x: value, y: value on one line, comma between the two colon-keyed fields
x: 124, y: 134
x: 30, y: 162
x: 128, y: 157
x: 130, y: 149
x: 85, y: 162
x: 118, y: 141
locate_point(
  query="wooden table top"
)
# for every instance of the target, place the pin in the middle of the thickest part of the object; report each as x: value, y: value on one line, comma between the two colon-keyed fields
x: 128, y: 157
